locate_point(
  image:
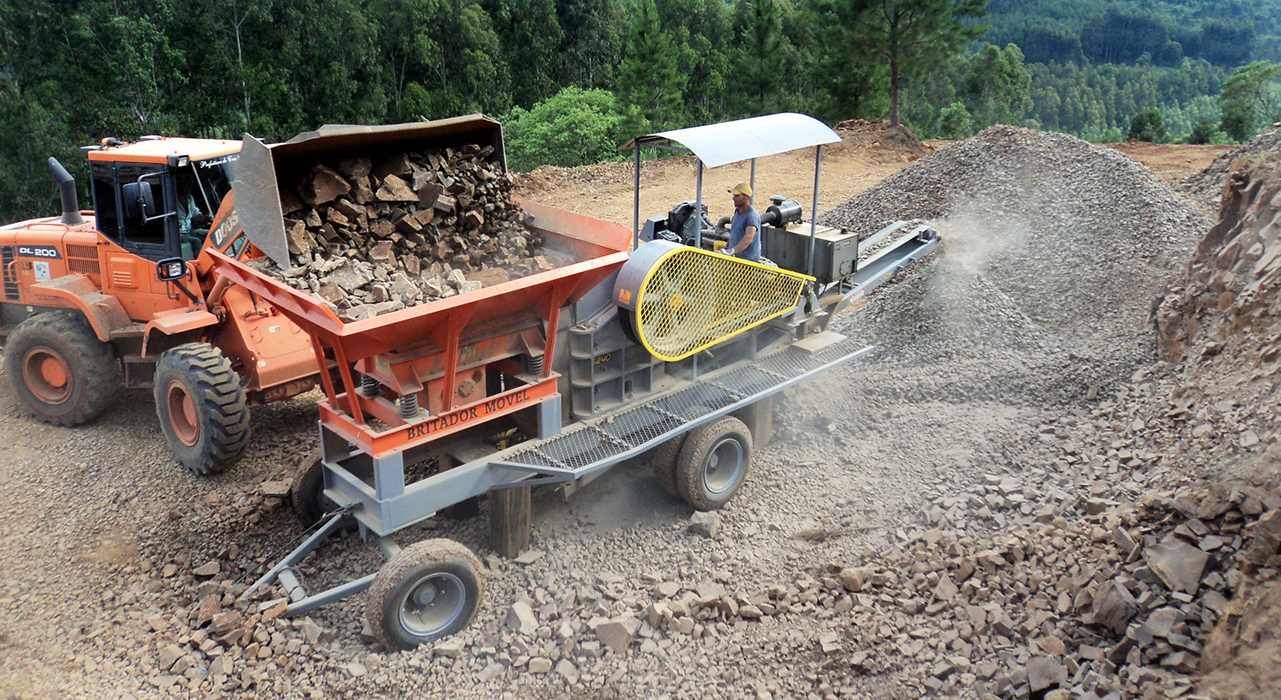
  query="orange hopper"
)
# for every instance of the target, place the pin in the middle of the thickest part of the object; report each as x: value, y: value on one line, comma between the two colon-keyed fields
x: 435, y: 354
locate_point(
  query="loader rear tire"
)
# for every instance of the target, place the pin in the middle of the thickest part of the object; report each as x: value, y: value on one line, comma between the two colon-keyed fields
x: 59, y: 368
x: 664, y: 459
x: 430, y: 590
x: 713, y: 463
x: 201, y: 407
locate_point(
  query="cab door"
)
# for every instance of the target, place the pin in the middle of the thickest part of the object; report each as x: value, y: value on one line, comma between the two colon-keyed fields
x: 139, y: 237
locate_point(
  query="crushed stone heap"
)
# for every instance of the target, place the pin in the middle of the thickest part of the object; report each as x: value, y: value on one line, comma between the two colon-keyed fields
x: 1053, y: 251
x: 371, y: 238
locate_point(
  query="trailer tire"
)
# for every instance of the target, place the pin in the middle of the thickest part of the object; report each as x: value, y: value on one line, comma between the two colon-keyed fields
x: 201, y: 407
x: 430, y: 590
x: 307, y: 493
x: 664, y: 458
x: 713, y: 463
x: 59, y: 369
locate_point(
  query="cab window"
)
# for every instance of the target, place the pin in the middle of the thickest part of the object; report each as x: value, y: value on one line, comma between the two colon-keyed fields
x: 153, y: 236
x: 104, y: 197
x: 145, y: 232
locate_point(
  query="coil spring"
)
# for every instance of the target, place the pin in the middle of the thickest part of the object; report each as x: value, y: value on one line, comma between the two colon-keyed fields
x: 534, y: 365
x: 408, y: 406
x: 369, y: 386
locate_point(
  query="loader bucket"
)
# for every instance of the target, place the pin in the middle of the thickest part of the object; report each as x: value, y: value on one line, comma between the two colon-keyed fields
x: 264, y: 169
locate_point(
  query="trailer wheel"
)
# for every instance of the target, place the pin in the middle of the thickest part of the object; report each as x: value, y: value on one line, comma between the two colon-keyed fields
x: 307, y: 493
x: 713, y: 463
x: 664, y: 459
x: 201, y: 406
x: 59, y: 368
x: 429, y: 590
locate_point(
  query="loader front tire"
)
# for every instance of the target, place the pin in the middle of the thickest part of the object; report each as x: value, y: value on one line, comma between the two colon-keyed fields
x: 201, y: 407
x: 430, y: 590
x: 713, y: 463
x: 59, y: 368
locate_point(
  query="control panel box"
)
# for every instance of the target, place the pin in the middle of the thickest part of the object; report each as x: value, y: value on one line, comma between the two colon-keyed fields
x: 835, y: 250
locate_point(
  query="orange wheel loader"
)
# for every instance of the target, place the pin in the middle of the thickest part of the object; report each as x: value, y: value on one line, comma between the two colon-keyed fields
x: 124, y: 297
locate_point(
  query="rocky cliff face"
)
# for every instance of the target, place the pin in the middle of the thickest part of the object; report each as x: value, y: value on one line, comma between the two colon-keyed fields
x: 1226, y: 300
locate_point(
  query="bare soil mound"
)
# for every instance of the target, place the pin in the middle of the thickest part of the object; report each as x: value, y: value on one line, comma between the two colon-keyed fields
x: 880, y: 133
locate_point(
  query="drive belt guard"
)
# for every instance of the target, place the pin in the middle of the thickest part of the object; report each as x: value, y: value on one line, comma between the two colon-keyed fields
x: 682, y: 300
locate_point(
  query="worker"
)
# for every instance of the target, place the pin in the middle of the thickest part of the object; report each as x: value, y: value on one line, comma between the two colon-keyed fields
x: 744, y: 241
x: 187, y: 208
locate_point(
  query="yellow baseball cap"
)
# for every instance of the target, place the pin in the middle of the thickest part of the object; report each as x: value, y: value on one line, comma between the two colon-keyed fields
x: 741, y: 188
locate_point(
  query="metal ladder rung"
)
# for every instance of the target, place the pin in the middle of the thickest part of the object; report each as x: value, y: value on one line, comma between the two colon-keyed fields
x: 733, y: 394
x: 555, y: 462
x: 616, y: 440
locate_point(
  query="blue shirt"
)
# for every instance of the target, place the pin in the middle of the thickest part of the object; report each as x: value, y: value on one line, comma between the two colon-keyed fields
x: 738, y: 228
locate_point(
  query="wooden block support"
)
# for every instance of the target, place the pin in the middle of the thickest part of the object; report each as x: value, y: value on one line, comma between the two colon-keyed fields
x: 509, y: 520
x: 759, y: 418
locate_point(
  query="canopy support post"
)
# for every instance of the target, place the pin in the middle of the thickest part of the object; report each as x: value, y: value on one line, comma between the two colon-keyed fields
x: 698, y: 208
x: 636, y: 202
x: 818, y: 163
x: 751, y: 201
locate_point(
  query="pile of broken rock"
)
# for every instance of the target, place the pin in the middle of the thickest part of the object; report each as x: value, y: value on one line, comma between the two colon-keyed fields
x: 370, y: 238
x: 1111, y: 606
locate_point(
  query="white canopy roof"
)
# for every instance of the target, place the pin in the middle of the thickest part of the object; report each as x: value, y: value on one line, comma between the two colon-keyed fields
x: 730, y: 142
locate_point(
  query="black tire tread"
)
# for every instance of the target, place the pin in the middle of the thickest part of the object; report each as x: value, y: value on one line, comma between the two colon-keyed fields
x: 664, y: 459
x: 305, y: 490
x: 302, y: 489
x: 689, y: 466
x: 409, y: 558
x: 101, y: 371
x: 213, y: 382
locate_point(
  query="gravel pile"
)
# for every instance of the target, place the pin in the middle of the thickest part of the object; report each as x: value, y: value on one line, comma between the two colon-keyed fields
x: 1207, y: 186
x: 1053, y: 250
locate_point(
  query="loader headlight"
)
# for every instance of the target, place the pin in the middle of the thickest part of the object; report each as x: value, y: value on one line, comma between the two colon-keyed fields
x: 171, y: 269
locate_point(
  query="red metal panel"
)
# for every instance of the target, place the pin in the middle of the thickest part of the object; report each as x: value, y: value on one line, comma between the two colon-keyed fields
x: 585, y: 236
x: 382, y: 443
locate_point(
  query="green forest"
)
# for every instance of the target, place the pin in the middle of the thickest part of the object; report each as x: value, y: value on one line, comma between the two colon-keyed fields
x: 571, y: 79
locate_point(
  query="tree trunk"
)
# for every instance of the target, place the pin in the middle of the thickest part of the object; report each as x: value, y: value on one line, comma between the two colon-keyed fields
x: 893, y: 91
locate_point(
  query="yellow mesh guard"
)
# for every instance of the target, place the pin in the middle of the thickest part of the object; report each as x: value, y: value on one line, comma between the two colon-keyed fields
x: 692, y: 299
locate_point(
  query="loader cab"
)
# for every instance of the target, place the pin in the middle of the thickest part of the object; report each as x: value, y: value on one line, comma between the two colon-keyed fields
x: 136, y: 189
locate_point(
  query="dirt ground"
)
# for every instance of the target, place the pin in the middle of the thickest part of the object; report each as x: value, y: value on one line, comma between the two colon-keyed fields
x: 605, y: 191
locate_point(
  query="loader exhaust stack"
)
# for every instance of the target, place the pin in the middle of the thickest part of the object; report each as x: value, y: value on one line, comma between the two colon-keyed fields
x: 67, y: 188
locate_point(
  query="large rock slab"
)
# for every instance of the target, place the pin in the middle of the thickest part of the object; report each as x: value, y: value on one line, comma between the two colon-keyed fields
x: 618, y: 633
x: 1178, y: 564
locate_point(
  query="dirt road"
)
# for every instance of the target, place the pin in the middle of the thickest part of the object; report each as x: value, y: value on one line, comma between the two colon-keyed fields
x: 605, y: 191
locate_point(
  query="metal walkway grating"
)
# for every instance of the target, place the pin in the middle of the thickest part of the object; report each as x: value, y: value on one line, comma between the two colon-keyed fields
x: 604, y: 441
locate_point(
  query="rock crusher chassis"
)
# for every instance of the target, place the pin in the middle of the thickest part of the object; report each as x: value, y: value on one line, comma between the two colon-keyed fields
x: 671, y: 349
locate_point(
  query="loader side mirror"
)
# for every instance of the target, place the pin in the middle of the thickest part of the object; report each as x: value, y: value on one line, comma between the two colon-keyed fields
x: 139, y: 202
x: 171, y: 269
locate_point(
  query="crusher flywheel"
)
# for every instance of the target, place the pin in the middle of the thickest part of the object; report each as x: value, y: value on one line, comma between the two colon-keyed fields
x: 679, y: 300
